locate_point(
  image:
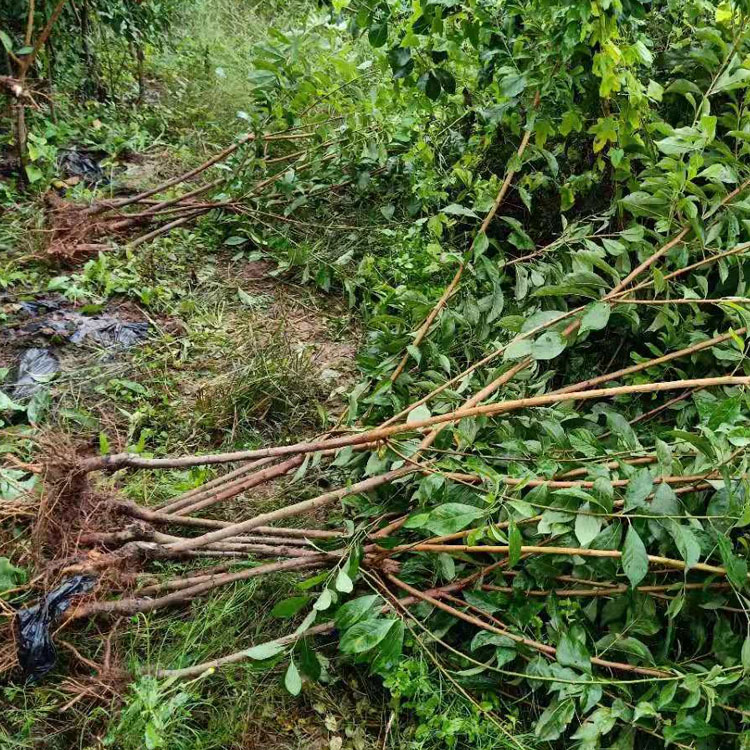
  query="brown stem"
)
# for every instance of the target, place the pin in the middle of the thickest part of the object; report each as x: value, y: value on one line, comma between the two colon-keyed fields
x: 662, y: 251
x: 536, y: 645
x: 611, y: 591
x: 120, y: 460
x: 243, y: 484
x: 291, y: 510
x: 567, y: 551
x: 41, y: 40
x: 610, y: 465
x: 174, y: 180
x: 154, y: 233
x: 585, y: 384
x: 138, y: 604
x: 157, y: 207
x: 199, y: 669
x: 187, y: 497
x: 30, y: 23
x: 146, y: 514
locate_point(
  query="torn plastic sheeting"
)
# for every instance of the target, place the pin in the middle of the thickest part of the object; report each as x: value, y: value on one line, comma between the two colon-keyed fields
x: 105, y: 329
x: 37, y: 307
x: 108, y: 331
x: 75, y: 163
x: 36, y: 651
x: 35, y: 370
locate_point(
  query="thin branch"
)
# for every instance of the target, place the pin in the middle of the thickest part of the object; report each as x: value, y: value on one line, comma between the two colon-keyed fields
x: 120, y: 460
x: 568, y: 552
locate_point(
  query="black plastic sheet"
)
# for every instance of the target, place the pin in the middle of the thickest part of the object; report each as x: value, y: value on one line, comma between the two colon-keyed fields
x: 81, y: 164
x: 36, y: 651
x: 36, y: 368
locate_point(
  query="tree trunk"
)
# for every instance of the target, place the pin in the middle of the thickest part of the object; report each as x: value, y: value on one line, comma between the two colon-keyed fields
x: 20, y: 143
x: 92, y: 86
x: 139, y: 56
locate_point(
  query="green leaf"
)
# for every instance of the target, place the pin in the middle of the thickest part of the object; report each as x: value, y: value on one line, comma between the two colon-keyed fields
x: 686, y: 543
x: 309, y: 664
x: 289, y: 607
x: 446, y: 566
x: 352, y: 612
x: 324, y: 601
x: 485, y: 638
x: 235, y: 240
x: 364, y: 635
x: 548, y: 346
x: 292, y: 679
x: 446, y: 79
x: 634, y: 558
x: 415, y: 353
x: 664, y: 455
x: 654, y: 91
x: 430, y: 84
x: 344, y: 583
x: 736, y: 567
x: 457, y: 210
x: 571, y: 121
x: 517, y: 349
x: 103, y: 444
x: 481, y: 243
x: 6, y: 41
x: 377, y: 34
x: 683, y: 86
x: 418, y: 414
x: 451, y: 517
x: 640, y: 486
x: 515, y: 542
x: 595, y: 317
x: 400, y: 60
x: 727, y: 81
x: 554, y: 720
x: 7, y: 404
x: 10, y: 575
x: 264, y: 651
x: 33, y: 173
x: 152, y: 736
x: 587, y: 527
x: 626, y: 644
x: 745, y: 655
x: 512, y: 85
x: 389, y: 649
x: 572, y: 651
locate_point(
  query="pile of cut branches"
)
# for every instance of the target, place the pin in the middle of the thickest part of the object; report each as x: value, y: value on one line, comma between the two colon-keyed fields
x: 570, y: 544
x: 79, y: 231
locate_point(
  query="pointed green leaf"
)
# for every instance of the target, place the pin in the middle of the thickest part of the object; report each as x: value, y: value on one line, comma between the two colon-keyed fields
x: 634, y: 558
x: 292, y: 679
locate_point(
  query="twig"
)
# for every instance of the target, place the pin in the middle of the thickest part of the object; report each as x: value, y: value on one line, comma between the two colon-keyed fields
x: 139, y: 604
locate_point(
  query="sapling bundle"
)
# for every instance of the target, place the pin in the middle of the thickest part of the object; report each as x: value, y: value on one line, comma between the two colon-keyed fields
x: 543, y: 480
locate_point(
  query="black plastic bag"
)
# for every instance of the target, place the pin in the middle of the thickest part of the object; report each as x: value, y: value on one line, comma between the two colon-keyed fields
x: 36, y: 368
x: 74, y: 163
x: 107, y: 331
x: 36, y: 652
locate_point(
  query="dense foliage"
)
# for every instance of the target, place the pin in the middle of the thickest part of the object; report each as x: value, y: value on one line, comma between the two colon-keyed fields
x: 639, y: 133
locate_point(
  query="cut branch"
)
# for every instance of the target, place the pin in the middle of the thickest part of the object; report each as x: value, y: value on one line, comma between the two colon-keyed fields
x: 120, y: 460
